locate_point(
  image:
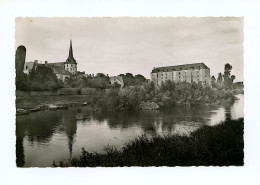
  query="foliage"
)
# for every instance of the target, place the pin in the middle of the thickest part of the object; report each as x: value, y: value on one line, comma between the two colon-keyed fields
x: 220, y: 79
x: 224, y: 81
x: 40, y: 79
x: 228, y: 81
x: 220, y: 145
x: 130, y: 80
x: 213, y: 81
x: 100, y: 81
x: 150, y: 96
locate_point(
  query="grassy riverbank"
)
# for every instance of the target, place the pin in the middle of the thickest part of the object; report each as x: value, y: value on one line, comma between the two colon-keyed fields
x: 146, y: 96
x: 220, y: 145
x: 30, y: 102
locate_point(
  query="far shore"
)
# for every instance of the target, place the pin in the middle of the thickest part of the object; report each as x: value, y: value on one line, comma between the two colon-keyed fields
x: 28, y: 104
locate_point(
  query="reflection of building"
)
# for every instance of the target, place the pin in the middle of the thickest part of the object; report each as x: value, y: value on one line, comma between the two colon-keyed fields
x: 61, y: 69
x: 117, y: 79
x: 197, y: 72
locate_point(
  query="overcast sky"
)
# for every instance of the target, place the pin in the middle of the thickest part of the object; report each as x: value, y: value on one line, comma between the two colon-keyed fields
x: 136, y: 45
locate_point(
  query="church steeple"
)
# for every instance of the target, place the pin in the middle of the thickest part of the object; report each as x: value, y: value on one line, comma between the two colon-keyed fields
x: 71, y: 59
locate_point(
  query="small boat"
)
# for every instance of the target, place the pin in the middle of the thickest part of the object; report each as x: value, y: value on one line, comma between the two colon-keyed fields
x: 52, y: 107
x: 60, y: 107
x: 22, y: 111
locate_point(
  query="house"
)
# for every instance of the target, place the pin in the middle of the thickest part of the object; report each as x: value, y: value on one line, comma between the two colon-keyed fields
x: 197, y: 72
x: 60, y: 72
x: 29, y: 66
x: 117, y: 79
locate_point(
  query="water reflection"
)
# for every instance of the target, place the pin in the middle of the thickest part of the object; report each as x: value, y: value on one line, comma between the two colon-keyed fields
x: 56, y: 135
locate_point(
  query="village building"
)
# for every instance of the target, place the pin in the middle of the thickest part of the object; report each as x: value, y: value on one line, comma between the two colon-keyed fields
x: 62, y: 70
x: 197, y: 72
x: 116, y: 79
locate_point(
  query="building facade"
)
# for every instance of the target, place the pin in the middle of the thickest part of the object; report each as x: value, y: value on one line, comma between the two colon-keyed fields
x: 198, y: 73
x: 61, y: 69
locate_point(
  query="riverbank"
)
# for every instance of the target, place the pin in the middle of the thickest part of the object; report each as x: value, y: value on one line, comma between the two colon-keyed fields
x: 146, y: 97
x: 27, y: 104
x: 220, y: 145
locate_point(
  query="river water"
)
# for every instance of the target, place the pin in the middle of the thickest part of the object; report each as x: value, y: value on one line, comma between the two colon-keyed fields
x: 47, y: 136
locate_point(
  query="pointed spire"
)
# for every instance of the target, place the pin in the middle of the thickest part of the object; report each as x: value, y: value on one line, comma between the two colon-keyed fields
x: 70, y: 57
x: 71, y: 51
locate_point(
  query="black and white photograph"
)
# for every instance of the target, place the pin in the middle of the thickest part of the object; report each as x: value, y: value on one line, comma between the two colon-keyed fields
x: 129, y: 92
x: 125, y: 91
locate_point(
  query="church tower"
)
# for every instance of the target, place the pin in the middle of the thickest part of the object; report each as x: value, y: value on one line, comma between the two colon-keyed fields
x: 71, y: 64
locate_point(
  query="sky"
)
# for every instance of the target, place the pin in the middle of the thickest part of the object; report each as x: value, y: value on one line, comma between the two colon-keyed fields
x: 135, y: 44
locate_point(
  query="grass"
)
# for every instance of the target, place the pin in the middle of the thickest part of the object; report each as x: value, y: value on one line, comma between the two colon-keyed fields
x: 28, y: 102
x: 220, y: 145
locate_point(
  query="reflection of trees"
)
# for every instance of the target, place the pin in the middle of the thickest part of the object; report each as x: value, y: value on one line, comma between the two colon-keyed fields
x: 152, y: 121
x: 39, y: 127
x: 228, y: 112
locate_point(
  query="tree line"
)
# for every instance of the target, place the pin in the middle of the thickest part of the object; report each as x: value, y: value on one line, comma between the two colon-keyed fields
x: 224, y: 81
x: 42, y: 78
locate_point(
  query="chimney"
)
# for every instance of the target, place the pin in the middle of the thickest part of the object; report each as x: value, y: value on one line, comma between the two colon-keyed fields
x: 36, y: 61
x: 45, y: 62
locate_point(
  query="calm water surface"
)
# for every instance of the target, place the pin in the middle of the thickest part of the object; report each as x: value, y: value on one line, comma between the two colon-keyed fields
x: 47, y: 136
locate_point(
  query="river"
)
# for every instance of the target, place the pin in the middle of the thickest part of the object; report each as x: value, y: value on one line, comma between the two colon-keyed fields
x: 47, y: 136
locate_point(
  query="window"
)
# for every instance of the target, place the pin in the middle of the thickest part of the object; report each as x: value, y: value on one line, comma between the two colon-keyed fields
x: 26, y: 67
x: 199, y: 68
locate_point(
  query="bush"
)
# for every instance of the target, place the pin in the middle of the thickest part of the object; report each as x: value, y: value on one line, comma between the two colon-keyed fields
x: 152, y: 97
x: 40, y: 79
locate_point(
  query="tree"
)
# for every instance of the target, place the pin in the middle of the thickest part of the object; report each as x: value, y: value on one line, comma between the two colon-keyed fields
x: 227, y: 71
x: 228, y: 80
x: 42, y: 78
x: 139, y: 79
x: 213, y: 81
x: 233, y: 77
x: 220, y: 79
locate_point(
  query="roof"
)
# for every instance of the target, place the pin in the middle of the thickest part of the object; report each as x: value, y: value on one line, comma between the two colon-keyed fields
x: 180, y: 67
x: 56, y: 64
x: 30, y: 65
x: 60, y: 70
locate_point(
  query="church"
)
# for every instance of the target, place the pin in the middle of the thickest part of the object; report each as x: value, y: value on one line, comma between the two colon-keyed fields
x: 62, y: 70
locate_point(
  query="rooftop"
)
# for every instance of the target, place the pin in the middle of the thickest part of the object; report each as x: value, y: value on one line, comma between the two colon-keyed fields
x: 60, y: 70
x: 180, y: 67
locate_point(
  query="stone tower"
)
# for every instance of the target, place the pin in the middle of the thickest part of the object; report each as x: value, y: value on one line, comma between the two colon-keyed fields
x: 20, y: 60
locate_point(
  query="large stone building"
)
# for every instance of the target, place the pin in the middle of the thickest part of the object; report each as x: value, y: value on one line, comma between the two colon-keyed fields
x: 61, y: 69
x: 198, y: 73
